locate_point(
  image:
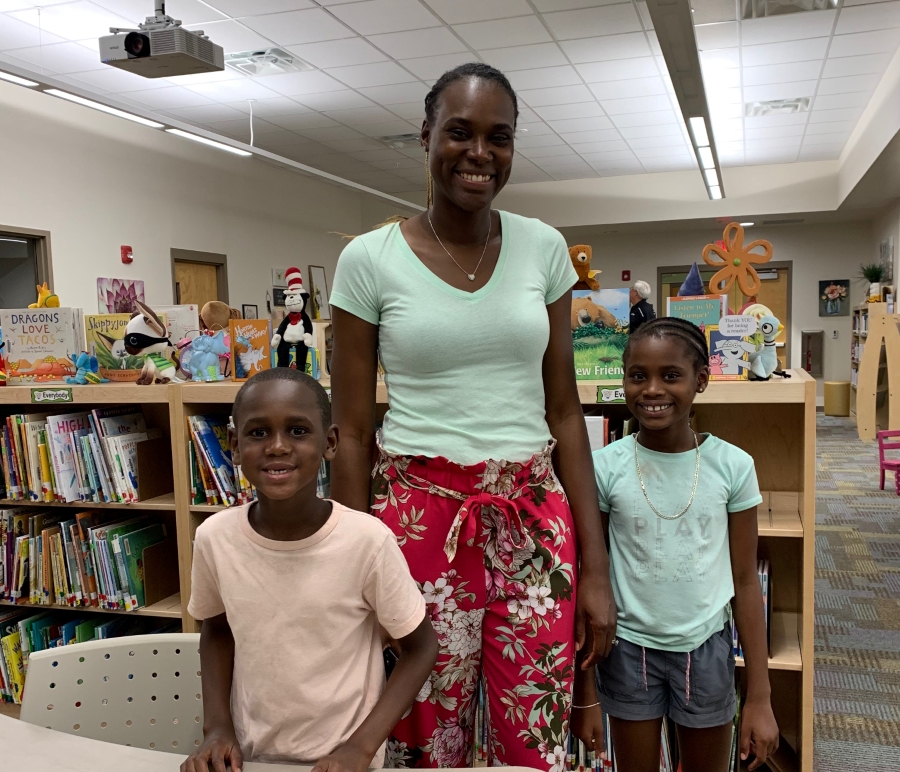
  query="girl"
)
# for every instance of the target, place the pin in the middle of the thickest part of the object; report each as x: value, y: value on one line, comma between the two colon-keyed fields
x: 470, y: 310
x: 682, y: 539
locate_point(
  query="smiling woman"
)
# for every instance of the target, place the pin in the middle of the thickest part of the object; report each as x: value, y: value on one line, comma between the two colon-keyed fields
x: 469, y: 309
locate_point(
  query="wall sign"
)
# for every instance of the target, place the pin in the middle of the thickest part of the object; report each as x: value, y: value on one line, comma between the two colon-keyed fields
x: 610, y: 396
x: 50, y: 396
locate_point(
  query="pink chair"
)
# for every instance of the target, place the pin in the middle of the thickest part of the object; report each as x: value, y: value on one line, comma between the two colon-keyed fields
x: 889, y: 464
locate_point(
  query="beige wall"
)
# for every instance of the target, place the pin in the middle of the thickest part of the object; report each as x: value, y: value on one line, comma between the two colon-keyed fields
x: 885, y: 227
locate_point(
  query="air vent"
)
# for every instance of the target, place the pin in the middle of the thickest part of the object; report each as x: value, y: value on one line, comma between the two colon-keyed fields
x: 782, y: 222
x: 758, y: 9
x: 401, y: 141
x: 776, y: 107
x: 268, y: 61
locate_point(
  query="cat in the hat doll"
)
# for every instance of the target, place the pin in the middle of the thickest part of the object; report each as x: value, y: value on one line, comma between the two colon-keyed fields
x: 295, y: 330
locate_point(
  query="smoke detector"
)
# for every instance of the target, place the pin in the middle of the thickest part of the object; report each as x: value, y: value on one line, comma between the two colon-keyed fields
x: 267, y: 61
x: 758, y: 9
x: 776, y: 107
x: 401, y: 141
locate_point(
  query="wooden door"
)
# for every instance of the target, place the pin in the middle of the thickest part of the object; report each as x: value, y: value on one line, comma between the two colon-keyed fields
x: 195, y: 283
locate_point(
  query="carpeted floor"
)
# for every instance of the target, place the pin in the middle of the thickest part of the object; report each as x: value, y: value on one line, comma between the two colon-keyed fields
x: 857, y: 675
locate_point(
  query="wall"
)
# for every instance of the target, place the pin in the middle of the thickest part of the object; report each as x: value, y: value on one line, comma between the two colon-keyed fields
x: 885, y: 227
x: 818, y: 252
x: 97, y: 182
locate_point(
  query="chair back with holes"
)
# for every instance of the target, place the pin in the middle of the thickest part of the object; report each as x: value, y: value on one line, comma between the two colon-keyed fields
x: 141, y: 690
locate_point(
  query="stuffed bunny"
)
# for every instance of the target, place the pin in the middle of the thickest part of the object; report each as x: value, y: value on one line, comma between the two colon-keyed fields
x: 145, y: 335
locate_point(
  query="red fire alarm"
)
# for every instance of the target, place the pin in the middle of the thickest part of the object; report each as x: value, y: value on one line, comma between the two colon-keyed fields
x: 626, y: 275
x: 127, y: 256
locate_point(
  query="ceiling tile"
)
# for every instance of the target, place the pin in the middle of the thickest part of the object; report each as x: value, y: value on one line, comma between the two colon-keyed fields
x: 61, y: 57
x: 762, y: 121
x: 388, y: 128
x: 330, y: 133
x: 19, y: 34
x: 622, y: 89
x: 832, y: 150
x: 208, y: 113
x: 70, y: 21
x: 280, y: 139
x: 712, y: 36
x: 545, y: 77
x: 241, y: 127
x: 561, y: 95
x: 376, y: 16
x: 664, y: 130
x: 233, y: 90
x: 781, y: 73
x: 722, y: 57
x: 527, y: 115
x: 660, y: 154
x: 569, y: 125
x: 575, y: 174
x: 726, y: 109
x: 524, y: 57
x: 399, y: 93
x: 623, y: 69
x: 856, y: 65
x: 826, y: 139
x: 774, y: 144
x: 402, y: 162
x: 840, y: 101
x: 612, y: 19
x: 721, y: 77
x: 600, y: 147
x: 606, y: 48
x: 644, y: 104
x: 608, y: 158
x: 378, y: 74
x: 548, y: 152
x: 410, y: 111
x: 16, y: 5
x: 534, y: 129
x: 868, y: 17
x: 626, y: 171
x: 775, y: 132
x: 296, y: 27
x: 543, y: 140
x: 417, y: 43
x: 464, y: 11
x: 855, y: 83
x: 430, y: 68
x: 709, y: 11
x: 783, y: 53
x: 564, y: 112
x: 339, y: 53
x: 343, y: 99
x: 586, y: 137
x: 837, y: 127
x: 776, y: 29
x: 167, y: 98
x: 301, y: 83
x: 116, y: 80
x: 231, y: 35
x: 382, y: 154
x: 186, y: 11
x: 779, y: 91
x: 519, y: 31
x: 528, y: 175
x: 359, y: 115
x: 302, y: 121
x: 878, y: 42
x: 829, y: 116
x: 645, y: 119
x: 238, y: 8
x: 671, y: 141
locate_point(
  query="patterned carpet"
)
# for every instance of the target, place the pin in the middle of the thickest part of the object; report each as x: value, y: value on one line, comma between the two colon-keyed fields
x: 857, y: 677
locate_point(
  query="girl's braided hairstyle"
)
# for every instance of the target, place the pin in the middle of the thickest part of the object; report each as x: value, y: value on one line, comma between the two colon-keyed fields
x: 669, y: 327
x: 469, y: 70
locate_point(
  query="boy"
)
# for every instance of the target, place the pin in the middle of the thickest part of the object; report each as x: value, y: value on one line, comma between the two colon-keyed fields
x: 291, y: 590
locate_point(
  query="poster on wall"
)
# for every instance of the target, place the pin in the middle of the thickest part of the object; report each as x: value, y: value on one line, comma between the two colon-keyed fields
x: 834, y: 299
x: 599, y: 333
x: 887, y: 260
x: 318, y: 291
x: 118, y: 296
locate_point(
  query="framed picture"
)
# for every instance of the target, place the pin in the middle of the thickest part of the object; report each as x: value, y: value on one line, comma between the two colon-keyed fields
x: 886, y: 251
x: 278, y: 279
x: 250, y: 312
x: 834, y: 297
x: 118, y: 296
x: 278, y: 296
x: 318, y: 293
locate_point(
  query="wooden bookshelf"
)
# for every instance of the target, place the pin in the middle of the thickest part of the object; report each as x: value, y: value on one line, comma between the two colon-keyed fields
x: 169, y: 608
x: 875, y: 395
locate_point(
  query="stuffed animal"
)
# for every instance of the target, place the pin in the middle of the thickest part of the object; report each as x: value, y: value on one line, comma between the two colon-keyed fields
x: 585, y: 311
x: 88, y: 370
x: 146, y: 336
x: 692, y: 284
x: 45, y: 298
x: 202, y: 360
x: 215, y: 315
x: 764, y: 361
x: 295, y: 330
x: 580, y: 255
x: 116, y: 350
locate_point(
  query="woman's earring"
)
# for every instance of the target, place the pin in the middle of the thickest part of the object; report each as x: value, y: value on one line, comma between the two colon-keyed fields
x: 428, y: 182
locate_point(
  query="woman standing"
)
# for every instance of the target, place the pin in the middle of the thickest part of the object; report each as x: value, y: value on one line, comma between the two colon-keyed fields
x: 470, y: 309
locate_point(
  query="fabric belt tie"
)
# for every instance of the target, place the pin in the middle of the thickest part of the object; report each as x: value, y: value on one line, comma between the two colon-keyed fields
x: 465, y: 524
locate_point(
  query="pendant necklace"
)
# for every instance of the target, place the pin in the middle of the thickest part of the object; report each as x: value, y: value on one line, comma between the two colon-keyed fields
x: 469, y: 276
x: 637, y: 466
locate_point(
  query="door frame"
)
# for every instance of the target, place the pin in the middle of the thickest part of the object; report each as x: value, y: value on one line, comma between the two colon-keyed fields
x: 43, y: 258
x: 210, y: 258
x: 787, y: 264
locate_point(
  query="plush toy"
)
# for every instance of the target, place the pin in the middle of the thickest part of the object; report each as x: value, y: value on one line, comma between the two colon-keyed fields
x: 88, y: 370
x: 146, y: 336
x: 45, y: 298
x: 580, y: 256
x: 585, y: 311
x: 201, y: 358
x: 692, y: 285
x: 295, y: 330
x: 764, y: 361
x: 215, y: 315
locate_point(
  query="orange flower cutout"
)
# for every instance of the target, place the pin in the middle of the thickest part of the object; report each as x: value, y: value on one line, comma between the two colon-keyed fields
x: 736, y: 262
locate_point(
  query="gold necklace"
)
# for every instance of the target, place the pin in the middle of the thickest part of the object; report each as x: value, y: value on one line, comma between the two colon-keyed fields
x: 469, y: 276
x: 637, y: 466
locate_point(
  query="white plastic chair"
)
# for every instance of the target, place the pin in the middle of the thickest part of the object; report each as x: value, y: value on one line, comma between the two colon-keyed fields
x: 141, y: 690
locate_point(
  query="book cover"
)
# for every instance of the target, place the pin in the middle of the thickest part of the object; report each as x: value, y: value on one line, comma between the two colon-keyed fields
x: 60, y: 429
x: 212, y: 434
x: 729, y: 355
x: 600, y: 321
x: 181, y: 321
x: 103, y: 337
x: 133, y: 545
x: 250, y: 347
x: 42, y: 344
x: 702, y: 310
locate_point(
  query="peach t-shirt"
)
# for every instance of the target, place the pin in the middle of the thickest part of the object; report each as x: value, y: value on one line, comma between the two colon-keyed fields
x: 308, y: 664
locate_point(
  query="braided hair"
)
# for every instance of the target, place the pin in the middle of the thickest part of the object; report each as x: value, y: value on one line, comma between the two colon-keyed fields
x: 668, y: 327
x: 469, y: 70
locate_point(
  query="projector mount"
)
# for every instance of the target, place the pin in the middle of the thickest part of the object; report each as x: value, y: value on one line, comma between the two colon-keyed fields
x: 159, y: 21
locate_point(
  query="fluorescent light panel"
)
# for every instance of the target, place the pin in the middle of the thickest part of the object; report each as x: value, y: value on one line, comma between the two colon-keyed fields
x: 706, y: 158
x: 17, y: 80
x: 748, y: 225
x: 711, y: 177
x: 210, y: 142
x: 715, y: 192
x: 698, y: 131
x: 102, y: 108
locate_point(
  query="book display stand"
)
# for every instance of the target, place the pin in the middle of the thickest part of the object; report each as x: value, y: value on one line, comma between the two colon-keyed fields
x: 875, y: 359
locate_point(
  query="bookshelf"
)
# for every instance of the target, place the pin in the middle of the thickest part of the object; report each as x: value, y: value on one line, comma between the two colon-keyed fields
x: 875, y: 370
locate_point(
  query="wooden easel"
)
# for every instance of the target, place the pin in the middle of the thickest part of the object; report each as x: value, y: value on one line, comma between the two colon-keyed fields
x: 879, y: 377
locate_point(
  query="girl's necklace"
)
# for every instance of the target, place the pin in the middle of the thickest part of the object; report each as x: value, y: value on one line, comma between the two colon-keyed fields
x: 637, y: 466
x: 469, y: 276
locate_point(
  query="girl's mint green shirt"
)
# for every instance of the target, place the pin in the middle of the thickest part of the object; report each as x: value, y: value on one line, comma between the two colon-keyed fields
x: 463, y: 369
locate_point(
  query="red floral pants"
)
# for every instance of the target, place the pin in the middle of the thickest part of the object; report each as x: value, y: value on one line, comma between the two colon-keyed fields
x: 492, y: 547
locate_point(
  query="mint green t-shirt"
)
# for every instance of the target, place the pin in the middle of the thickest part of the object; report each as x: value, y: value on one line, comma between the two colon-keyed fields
x: 463, y: 369
x: 672, y: 578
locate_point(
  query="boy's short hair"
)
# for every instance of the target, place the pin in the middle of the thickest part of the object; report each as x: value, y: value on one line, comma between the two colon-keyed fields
x: 285, y: 374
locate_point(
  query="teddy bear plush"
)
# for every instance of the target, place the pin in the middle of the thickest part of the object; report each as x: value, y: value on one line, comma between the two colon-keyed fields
x: 580, y: 255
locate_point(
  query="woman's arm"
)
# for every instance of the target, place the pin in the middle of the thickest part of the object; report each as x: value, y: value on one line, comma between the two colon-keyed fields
x: 354, y: 371
x: 572, y: 462
x: 759, y: 732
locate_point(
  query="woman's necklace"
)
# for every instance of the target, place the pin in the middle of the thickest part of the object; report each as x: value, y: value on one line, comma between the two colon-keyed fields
x: 469, y: 276
x: 637, y: 466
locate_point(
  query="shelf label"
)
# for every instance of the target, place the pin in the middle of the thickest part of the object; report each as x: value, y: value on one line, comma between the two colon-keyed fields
x: 51, y: 396
x: 610, y: 396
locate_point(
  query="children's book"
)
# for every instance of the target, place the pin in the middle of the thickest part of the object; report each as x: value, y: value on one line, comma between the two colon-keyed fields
x: 60, y: 431
x: 132, y: 546
x: 42, y: 344
x: 600, y: 321
x: 729, y: 355
x: 181, y: 321
x: 104, y: 335
x: 250, y: 347
x: 702, y: 310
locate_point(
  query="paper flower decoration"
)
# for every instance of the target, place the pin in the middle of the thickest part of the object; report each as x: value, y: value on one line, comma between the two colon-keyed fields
x: 735, y: 262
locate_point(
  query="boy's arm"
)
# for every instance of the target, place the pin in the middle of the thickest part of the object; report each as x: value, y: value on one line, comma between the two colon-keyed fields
x: 759, y: 732
x: 220, y: 746
x: 418, y: 653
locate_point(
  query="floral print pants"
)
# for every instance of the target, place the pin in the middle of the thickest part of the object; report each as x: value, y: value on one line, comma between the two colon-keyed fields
x: 492, y: 547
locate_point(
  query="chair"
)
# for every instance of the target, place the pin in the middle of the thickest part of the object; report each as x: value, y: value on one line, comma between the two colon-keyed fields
x: 889, y: 464
x: 141, y: 690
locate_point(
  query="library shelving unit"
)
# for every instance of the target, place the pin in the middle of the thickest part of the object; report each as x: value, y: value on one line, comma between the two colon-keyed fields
x: 875, y: 363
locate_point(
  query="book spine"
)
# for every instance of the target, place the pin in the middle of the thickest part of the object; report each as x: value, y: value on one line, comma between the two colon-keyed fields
x: 75, y: 597
x: 125, y: 595
x: 79, y: 562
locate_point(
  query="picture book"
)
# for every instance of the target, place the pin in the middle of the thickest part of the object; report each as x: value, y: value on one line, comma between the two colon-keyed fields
x: 729, y: 355
x: 210, y: 435
x: 104, y: 335
x: 702, y: 310
x: 599, y: 333
x: 132, y: 546
x: 250, y: 347
x: 42, y: 344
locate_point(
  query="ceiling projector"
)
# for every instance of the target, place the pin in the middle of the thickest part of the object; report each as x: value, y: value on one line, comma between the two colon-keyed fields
x: 161, y: 48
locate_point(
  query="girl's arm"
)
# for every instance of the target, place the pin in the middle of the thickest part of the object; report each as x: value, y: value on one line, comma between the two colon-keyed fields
x: 354, y: 371
x: 418, y: 653
x: 596, y: 607
x: 759, y: 732
x: 220, y: 746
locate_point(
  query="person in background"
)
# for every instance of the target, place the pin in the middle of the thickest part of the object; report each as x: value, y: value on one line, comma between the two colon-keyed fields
x: 641, y: 310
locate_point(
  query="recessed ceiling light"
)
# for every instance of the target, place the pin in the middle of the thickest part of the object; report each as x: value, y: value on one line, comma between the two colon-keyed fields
x: 266, y: 61
x: 698, y: 131
x: 17, y: 80
x: 401, y: 141
x: 210, y: 142
x: 776, y: 107
x: 757, y: 9
x: 715, y: 192
x: 102, y: 108
x: 747, y: 224
x: 706, y: 158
